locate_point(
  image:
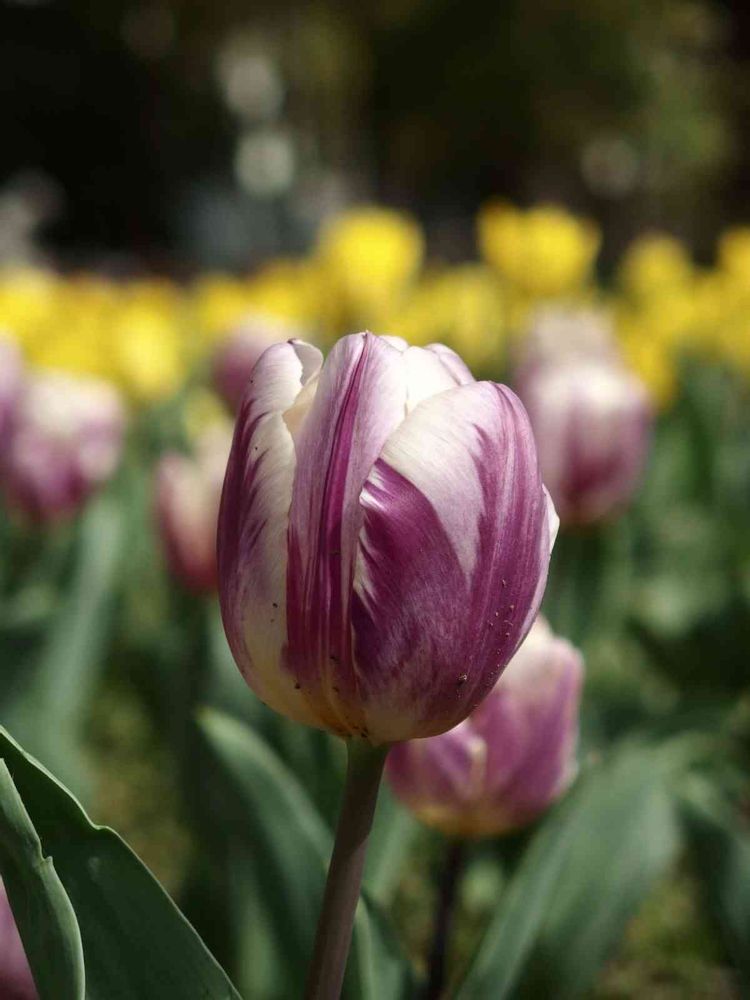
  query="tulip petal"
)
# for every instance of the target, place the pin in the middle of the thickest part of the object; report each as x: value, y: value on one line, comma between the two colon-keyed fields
x: 253, y: 523
x: 457, y: 367
x: 452, y: 560
x: 360, y: 399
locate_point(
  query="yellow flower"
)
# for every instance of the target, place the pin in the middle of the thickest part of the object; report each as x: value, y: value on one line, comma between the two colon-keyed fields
x: 150, y: 354
x: 651, y: 357
x: 463, y: 307
x: 543, y: 252
x: 653, y: 264
x: 219, y: 302
x: 734, y: 254
x: 371, y: 256
x: 289, y: 290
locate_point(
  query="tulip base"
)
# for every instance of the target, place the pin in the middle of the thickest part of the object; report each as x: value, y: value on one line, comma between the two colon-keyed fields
x: 364, y: 771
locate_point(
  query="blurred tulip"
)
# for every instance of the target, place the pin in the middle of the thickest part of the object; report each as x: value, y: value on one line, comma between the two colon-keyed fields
x: 66, y: 442
x: 654, y: 265
x: 559, y: 334
x: 188, y: 491
x: 382, y: 521
x: 11, y: 382
x: 235, y: 357
x: 591, y: 421
x: 511, y: 758
x: 543, y: 252
x: 16, y: 981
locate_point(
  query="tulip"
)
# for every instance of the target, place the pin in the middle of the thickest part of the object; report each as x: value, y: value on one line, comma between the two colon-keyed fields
x: 188, y: 491
x: 66, y: 442
x: 382, y: 521
x: 16, y: 981
x: 236, y: 356
x: 511, y: 758
x: 559, y: 334
x: 11, y: 383
x: 591, y: 420
x: 383, y: 545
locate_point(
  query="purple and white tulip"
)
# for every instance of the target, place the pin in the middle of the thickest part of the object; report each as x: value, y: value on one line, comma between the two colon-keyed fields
x: 11, y: 387
x: 235, y: 357
x: 188, y: 491
x: 561, y: 334
x: 66, y: 441
x: 592, y: 423
x: 511, y: 758
x: 384, y: 536
x: 16, y: 981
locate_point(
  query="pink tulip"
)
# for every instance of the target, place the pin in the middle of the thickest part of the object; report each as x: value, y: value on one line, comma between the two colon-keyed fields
x: 188, y: 491
x: 384, y: 536
x: 513, y: 756
x: 236, y: 356
x: 11, y: 386
x: 592, y: 422
x: 16, y: 981
x: 66, y: 442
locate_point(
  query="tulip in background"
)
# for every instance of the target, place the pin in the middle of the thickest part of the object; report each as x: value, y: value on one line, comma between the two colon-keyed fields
x: 188, y: 491
x: 235, y: 356
x: 592, y: 422
x: 499, y: 769
x: 511, y: 758
x: 383, y: 545
x: 16, y: 982
x: 66, y: 442
x: 11, y: 384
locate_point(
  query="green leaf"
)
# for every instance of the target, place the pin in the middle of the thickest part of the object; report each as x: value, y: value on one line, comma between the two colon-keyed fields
x: 720, y: 845
x: 582, y: 877
x: 290, y: 845
x: 47, y: 715
x: 136, y: 943
x: 41, y: 907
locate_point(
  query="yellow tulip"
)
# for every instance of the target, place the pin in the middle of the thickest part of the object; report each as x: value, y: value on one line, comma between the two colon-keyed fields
x: 543, y: 252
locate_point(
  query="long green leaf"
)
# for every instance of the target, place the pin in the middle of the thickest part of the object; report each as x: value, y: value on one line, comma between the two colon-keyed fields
x: 41, y: 907
x: 580, y: 880
x: 290, y: 846
x: 720, y: 846
x: 136, y: 943
x: 48, y: 713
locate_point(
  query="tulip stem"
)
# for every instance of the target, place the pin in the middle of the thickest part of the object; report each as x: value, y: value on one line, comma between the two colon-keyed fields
x: 363, y: 773
x: 446, y: 905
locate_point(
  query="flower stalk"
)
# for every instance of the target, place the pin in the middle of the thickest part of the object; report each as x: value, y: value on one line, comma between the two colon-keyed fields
x: 446, y: 905
x: 363, y: 773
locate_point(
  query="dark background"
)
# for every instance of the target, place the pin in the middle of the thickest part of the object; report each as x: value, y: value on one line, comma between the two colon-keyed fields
x: 118, y: 129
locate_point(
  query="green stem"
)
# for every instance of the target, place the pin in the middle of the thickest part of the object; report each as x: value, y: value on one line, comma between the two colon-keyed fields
x: 363, y: 773
x: 444, y: 914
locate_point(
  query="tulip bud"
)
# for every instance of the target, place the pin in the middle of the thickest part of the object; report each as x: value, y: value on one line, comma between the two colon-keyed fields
x: 235, y: 357
x: 188, y: 491
x: 384, y: 536
x: 11, y: 383
x: 66, y: 442
x: 513, y: 756
x: 592, y: 422
x: 16, y: 981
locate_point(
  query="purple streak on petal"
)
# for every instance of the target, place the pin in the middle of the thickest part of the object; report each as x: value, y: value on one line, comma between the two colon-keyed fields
x: 361, y: 398
x: 253, y: 524
x: 453, y: 557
